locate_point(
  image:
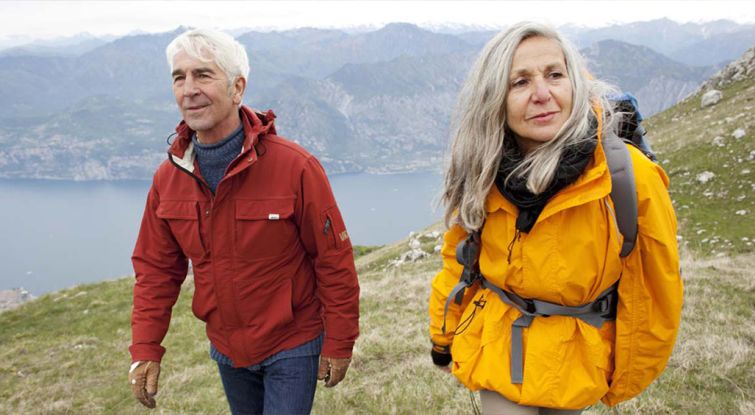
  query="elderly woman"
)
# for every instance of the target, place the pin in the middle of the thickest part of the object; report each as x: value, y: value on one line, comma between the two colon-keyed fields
x: 553, y: 316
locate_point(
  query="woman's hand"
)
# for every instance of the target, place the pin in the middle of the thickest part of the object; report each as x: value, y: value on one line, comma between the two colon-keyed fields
x: 441, y: 356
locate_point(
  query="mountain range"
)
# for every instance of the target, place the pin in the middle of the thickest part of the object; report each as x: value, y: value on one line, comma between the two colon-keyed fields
x: 378, y: 101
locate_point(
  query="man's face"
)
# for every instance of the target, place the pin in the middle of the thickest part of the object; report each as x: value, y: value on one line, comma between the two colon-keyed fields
x: 206, y: 102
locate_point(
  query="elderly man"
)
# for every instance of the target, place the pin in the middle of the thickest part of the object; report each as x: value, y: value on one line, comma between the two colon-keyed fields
x: 274, y: 276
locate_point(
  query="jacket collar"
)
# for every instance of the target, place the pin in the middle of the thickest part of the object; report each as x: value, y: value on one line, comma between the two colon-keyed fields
x: 593, y: 184
x: 256, y: 124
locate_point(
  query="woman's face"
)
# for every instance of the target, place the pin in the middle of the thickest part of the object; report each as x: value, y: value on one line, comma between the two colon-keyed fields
x: 539, y: 100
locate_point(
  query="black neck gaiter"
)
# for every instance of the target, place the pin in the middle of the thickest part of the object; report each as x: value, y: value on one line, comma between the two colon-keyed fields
x: 572, y: 163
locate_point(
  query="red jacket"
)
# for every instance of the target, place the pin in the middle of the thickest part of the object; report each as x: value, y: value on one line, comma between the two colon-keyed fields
x: 271, y: 257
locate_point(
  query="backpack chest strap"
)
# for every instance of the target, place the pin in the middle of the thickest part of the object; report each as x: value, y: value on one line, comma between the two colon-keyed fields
x: 594, y: 313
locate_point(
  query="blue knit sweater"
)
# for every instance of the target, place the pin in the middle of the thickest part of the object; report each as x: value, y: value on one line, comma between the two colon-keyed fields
x: 214, y: 158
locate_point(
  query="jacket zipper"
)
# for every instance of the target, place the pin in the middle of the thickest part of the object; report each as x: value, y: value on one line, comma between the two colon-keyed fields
x: 200, y: 219
x: 205, y: 186
x: 326, y: 228
x: 201, y: 183
x: 230, y: 167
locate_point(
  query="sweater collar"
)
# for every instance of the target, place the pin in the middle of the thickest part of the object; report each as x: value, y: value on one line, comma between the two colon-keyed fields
x: 255, y: 124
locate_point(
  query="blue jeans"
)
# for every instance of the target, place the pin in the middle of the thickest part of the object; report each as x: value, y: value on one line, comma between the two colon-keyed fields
x: 284, y: 383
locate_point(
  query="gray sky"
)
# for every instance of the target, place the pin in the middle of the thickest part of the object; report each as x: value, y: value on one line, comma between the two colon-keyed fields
x: 45, y: 19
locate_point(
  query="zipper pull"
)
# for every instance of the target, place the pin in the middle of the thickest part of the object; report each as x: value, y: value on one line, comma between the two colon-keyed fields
x: 516, y: 237
x: 326, y: 229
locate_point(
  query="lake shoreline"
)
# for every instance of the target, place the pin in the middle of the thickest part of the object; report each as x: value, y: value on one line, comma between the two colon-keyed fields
x: 62, y: 233
x: 371, y: 172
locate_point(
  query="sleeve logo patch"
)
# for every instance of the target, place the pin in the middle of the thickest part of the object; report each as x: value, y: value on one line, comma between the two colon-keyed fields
x: 273, y: 216
x: 343, y: 235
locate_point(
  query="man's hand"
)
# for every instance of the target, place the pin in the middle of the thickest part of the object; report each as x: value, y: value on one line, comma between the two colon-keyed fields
x: 143, y: 380
x: 332, y: 370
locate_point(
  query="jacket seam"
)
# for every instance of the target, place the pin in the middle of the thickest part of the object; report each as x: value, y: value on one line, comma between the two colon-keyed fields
x: 612, y: 215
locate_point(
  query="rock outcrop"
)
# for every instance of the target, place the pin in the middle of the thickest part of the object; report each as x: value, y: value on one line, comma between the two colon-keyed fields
x: 13, y: 298
x: 710, y: 98
x: 416, y: 251
x: 738, y: 70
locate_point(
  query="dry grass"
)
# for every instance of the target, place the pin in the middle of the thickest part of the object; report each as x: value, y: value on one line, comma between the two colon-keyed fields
x: 66, y: 352
x: 712, y: 369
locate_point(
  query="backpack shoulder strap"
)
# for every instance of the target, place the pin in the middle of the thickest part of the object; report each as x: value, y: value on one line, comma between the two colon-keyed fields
x: 623, y: 190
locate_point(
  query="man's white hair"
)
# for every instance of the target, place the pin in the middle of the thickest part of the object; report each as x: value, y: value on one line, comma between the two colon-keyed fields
x: 212, y: 46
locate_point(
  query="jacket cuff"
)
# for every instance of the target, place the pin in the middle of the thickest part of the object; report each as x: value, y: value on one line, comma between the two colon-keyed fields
x: 144, y: 352
x: 339, y: 349
x: 441, y: 355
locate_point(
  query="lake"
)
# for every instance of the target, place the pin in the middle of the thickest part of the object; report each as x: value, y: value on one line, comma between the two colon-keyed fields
x: 56, y: 234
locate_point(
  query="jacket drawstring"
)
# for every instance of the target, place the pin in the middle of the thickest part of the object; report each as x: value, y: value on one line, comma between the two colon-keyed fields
x: 517, y: 235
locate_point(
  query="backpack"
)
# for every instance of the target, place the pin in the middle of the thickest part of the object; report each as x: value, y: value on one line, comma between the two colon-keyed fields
x: 630, y: 128
x: 623, y: 192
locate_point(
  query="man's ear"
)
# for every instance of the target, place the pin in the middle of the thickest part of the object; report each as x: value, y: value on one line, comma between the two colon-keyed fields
x: 239, y: 85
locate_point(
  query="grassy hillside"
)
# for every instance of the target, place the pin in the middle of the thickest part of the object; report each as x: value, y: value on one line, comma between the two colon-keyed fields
x: 717, y: 217
x: 67, y: 351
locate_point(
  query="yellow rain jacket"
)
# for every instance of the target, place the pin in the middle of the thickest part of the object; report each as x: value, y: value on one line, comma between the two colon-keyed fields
x: 570, y: 256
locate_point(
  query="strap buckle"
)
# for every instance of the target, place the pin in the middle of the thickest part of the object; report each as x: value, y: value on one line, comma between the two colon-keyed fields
x: 601, y: 305
x: 606, y: 305
x: 468, y: 252
x: 530, y: 307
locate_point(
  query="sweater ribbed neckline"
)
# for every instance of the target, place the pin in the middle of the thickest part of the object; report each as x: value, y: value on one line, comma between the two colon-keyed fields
x: 213, y: 159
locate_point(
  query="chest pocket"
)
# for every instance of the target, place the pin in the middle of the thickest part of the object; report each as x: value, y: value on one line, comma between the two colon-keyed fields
x: 264, y: 228
x: 183, y: 220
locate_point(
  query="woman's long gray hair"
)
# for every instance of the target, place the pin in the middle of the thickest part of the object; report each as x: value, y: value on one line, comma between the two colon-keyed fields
x: 479, y: 127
